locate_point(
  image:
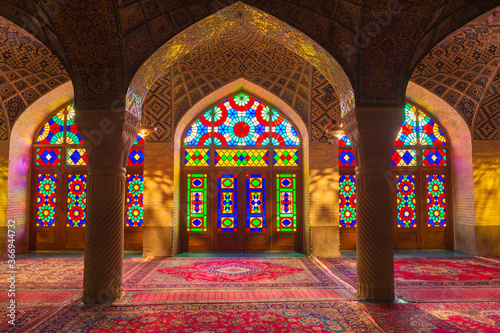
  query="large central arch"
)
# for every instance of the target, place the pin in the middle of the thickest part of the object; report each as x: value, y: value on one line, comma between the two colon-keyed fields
x: 259, y: 92
x: 232, y: 18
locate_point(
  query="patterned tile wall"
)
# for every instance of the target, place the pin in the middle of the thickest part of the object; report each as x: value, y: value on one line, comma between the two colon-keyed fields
x: 28, y: 70
x: 487, y: 123
x: 325, y: 106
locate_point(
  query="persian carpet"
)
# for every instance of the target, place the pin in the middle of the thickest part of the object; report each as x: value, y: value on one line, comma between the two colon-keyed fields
x: 450, y: 279
x: 231, y: 279
x: 51, y: 281
x: 296, y: 317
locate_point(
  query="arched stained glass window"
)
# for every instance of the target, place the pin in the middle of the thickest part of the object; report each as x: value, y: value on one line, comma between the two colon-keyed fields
x: 242, y: 121
x: 60, y: 170
x: 420, y: 162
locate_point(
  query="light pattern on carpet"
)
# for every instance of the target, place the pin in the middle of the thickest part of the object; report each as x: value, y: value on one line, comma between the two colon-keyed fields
x: 435, y: 279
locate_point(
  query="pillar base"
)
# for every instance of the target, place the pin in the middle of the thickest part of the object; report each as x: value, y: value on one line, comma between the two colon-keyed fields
x: 102, y: 296
x: 372, y: 294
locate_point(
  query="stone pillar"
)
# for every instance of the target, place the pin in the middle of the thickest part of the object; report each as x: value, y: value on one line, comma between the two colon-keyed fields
x: 108, y: 136
x: 373, y: 132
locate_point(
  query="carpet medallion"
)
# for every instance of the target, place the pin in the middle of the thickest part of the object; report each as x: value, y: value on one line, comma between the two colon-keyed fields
x: 435, y: 279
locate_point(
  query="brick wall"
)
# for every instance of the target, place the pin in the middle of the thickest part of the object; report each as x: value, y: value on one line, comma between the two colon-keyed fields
x: 4, y: 172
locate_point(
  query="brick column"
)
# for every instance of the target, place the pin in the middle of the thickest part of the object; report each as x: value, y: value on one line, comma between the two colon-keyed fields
x: 373, y: 132
x: 108, y: 136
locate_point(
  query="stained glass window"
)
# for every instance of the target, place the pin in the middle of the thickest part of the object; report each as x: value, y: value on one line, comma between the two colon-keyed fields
x: 48, y: 156
x: 255, y: 158
x: 408, y: 133
x: 53, y: 130
x: 76, y: 157
x: 134, y: 210
x: 228, y: 203
x: 197, y: 157
x: 406, y: 201
x: 286, y: 206
x: 77, y: 200
x: 286, y: 157
x: 242, y: 121
x: 426, y: 139
x: 284, y: 134
x: 346, y: 157
x: 200, y: 133
x: 434, y: 157
x: 347, y: 200
x: 139, y: 140
x: 46, y: 200
x: 436, y: 201
x: 344, y: 141
x: 429, y: 132
x: 404, y: 158
x: 136, y: 157
x: 256, y: 202
x: 197, y: 202
x: 72, y: 135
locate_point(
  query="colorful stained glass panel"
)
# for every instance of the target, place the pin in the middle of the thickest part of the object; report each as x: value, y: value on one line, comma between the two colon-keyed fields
x: 430, y: 133
x: 77, y: 200
x: 200, y: 133
x: 228, y: 203
x: 436, y: 201
x: 48, y: 156
x: 434, y: 157
x: 256, y: 202
x: 46, y: 200
x: 76, y: 157
x: 284, y: 134
x: 135, y: 205
x: 286, y: 202
x: 241, y: 121
x: 286, y: 157
x: 346, y: 157
x: 407, y: 158
x: 406, y: 201
x: 408, y: 133
x: 226, y: 158
x: 347, y: 201
x: 52, y: 131
x: 136, y: 157
x: 197, y: 202
x: 197, y: 157
x: 344, y: 141
x: 139, y: 140
x: 72, y: 135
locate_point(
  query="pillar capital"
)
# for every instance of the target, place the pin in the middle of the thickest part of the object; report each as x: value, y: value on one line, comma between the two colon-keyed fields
x: 372, y: 132
x: 108, y: 136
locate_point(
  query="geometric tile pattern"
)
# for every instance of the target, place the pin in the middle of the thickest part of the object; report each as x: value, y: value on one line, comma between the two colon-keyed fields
x: 434, y: 157
x: 25, y: 63
x: 487, y: 123
x: 157, y: 110
x: 286, y: 157
x: 404, y: 158
x: 76, y: 157
x: 197, y: 157
x: 325, y: 106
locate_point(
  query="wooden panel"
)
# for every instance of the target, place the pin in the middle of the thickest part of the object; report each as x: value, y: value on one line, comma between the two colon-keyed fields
x: 435, y: 239
x: 407, y: 240
x: 285, y: 242
x: 198, y: 242
x: 45, y: 240
x: 133, y: 240
x: 348, y: 238
x: 255, y: 241
x: 227, y: 241
x: 78, y: 236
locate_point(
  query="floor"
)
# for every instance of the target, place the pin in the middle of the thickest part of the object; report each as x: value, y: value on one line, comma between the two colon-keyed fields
x: 437, y: 291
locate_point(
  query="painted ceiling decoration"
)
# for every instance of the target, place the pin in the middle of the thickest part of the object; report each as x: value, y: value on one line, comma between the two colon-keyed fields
x: 110, y: 44
x: 464, y: 71
x: 28, y: 70
x: 247, y: 55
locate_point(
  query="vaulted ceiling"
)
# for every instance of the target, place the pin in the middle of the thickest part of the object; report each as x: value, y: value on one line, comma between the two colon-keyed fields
x: 102, y: 51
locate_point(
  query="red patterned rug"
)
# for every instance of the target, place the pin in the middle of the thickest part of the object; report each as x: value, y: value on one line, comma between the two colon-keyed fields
x: 231, y: 279
x: 290, y: 317
x: 435, y: 279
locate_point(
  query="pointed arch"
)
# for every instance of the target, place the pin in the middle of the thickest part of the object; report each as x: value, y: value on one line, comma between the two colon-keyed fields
x: 226, y: 21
